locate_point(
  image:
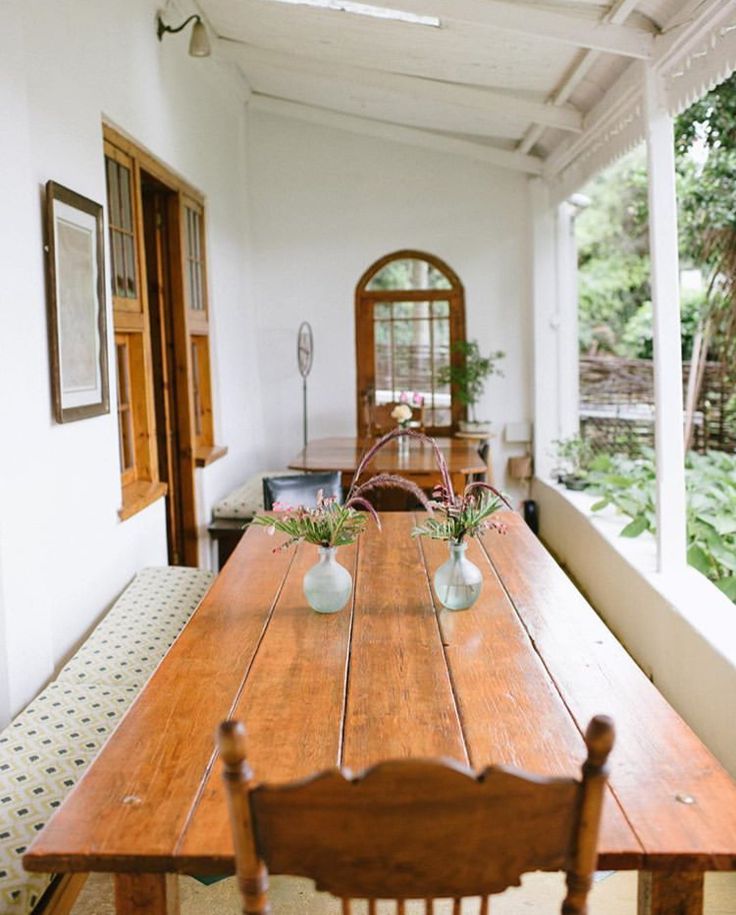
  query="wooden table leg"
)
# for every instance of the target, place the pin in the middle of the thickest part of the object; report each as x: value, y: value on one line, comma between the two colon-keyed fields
x: 670, y: 893
x: 146, y: 894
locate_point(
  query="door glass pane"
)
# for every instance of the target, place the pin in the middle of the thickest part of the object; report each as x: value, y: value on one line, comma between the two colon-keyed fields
x: 409, y: 273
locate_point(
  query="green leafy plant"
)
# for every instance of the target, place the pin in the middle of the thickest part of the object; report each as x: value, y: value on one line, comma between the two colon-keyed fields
x: 628, y: 484
x: 329, y: 524
x: 574, y: 457
x: 468, y: 375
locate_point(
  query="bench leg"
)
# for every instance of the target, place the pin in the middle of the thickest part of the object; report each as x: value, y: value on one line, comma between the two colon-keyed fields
x: 670, y: 893
x: 146, y: 894
x: 63, y: 894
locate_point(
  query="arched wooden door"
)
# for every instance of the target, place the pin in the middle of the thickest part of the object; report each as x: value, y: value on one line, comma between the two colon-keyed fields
x: 409, y: 313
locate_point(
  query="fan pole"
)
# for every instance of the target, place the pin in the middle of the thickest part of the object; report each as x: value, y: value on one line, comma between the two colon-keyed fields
x: 304, y: 407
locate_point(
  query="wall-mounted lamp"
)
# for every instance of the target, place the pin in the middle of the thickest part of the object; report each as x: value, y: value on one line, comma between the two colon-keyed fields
x: 199, y: 43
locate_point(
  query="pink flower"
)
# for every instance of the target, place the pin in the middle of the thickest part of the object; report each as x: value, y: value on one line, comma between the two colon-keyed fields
x: 417, y: 398
x: 281, y: 507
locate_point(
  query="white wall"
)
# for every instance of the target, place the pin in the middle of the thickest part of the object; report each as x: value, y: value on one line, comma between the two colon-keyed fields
x: 679, y: 628
x: 64, y: 554
x: 326, y: 203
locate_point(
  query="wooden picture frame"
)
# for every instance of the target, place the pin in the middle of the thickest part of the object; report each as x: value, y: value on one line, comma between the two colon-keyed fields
x: 77, y: 320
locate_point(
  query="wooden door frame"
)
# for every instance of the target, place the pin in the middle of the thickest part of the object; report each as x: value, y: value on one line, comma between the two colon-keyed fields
x: 177, y: 189
x: 364, y: 327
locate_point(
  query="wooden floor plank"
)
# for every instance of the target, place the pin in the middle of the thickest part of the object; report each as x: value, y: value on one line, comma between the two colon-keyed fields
x: 292, y: 707
x: 511, y: 711
x: 679, y: 800
x: 400, y: 701
x: 133, y: 802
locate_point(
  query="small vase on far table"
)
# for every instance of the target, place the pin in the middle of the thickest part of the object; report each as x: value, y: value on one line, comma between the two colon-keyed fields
x: 402, y: 443
x: 327, y: 585
x: 458, y: 582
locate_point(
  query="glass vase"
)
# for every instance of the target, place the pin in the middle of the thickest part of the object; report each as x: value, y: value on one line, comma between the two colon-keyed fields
x: 327, y: 585
x: 402, y: 443
x: 457, y: 582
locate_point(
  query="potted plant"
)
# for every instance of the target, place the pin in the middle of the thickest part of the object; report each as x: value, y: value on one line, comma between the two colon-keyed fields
x: 468, y: 377
x: 574, y: 455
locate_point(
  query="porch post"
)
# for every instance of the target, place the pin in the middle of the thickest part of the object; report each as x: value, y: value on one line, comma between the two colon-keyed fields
x: 665, y: 281
x: 545, y: 324
x: 568, y: 366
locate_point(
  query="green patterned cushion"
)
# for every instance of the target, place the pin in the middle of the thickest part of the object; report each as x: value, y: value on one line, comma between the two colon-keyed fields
x: 133, y: 637
x: 247, y: 500
x: 43, y: 752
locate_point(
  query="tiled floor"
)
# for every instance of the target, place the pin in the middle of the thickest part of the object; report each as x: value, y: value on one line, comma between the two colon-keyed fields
x: 614, y: 894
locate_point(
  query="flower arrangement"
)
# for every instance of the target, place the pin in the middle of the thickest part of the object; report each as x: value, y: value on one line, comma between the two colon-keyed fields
x: 466, y: 515
x: 402, y: 413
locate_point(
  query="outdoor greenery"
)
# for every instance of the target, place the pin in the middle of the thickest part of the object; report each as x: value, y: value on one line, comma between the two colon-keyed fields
x: 629, y: 485
x: 613, y: 242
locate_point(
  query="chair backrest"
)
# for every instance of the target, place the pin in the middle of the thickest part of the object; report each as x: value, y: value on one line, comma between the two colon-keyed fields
x: 416, y: 829
x: 300, y: 489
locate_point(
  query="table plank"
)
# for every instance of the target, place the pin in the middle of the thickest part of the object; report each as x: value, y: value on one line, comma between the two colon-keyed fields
x: 657, y: 758
x: 400, y: 701
x: 129, y: 809
x: 511, y: 711
x: 292, y: 706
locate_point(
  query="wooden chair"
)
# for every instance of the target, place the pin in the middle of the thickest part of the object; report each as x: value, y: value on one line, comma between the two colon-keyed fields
x: 415, y: 829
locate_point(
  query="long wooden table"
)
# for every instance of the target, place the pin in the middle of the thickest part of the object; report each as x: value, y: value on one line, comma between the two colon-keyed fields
x: 514, y: 680
x: 344, y: 454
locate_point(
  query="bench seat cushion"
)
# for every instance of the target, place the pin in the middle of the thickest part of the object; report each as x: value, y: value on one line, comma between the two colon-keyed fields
x: 131, y: 640
x: 247, y: 500
x: 43, y: 753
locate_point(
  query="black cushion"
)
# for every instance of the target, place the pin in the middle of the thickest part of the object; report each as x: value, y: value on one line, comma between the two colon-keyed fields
x: 300, y: 489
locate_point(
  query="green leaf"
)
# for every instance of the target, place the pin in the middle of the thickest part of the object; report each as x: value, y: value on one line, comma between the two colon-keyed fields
x: 698, y: 559
x: 600, y: 504
x: 728, y: 586
x: 635, y: 527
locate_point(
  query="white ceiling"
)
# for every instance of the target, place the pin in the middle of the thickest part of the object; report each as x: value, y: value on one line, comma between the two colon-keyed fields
x: 515, y: 75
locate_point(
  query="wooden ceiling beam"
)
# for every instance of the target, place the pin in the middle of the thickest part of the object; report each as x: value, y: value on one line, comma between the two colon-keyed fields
x: 522, y: 19
x: 485, y: 101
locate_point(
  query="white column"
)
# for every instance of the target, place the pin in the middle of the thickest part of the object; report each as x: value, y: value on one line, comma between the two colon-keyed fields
x: 545, y: 325
x: 568, y: 362
x: 665, y: 279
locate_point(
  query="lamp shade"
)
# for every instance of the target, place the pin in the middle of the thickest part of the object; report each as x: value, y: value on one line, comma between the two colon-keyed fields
x: 199, y: 44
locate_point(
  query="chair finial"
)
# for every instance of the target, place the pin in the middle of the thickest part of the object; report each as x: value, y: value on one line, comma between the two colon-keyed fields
x: 231, y: 742
x: 599, y: 739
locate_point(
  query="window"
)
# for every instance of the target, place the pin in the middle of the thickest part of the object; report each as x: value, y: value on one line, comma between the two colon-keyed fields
x: 136, y: 422
x: 195, y: 275
x: 409, y: 314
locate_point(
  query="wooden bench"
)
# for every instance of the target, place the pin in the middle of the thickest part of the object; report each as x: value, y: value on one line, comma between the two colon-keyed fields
x: 47, y: 747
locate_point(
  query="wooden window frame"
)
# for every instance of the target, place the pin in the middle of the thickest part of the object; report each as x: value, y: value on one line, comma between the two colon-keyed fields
x: 132, y: 321
x: 365, y: 301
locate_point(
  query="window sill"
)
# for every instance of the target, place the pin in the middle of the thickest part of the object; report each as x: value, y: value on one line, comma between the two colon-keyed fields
x: 139, y: 495
x: 208, y: 454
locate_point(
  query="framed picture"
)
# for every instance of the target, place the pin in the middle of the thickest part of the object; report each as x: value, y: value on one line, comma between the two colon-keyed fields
x: 76, y: 305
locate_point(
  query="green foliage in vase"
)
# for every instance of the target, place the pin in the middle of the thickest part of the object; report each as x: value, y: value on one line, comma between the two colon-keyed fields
x: 329, y: 524
x: 465, y: 515
x: 629, y: 485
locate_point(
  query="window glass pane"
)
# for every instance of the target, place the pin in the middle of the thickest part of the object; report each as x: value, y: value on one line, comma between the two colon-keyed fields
x: 381, y: 310
x: 441, y: 309
x: 196, y: 390
x: 195, y: 273
x: 130, y: 289
x: 113, y: 197
x: 409, y: 273
x: 125, y: 199
x: 125, y: 415
x: 118, y: 263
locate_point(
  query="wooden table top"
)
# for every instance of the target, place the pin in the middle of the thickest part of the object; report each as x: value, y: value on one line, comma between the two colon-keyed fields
x: 513, y: 680
x: 344, y: 454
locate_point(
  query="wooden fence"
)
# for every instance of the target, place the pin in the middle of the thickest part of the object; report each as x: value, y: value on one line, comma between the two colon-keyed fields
x: 617, y: 404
